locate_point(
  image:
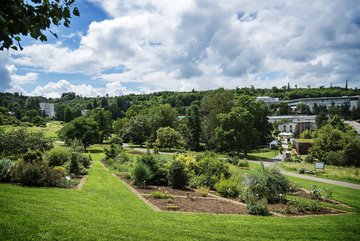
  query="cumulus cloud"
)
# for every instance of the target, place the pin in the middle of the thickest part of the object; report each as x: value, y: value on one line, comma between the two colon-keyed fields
x: 55, y: 89
x: 186, y: 44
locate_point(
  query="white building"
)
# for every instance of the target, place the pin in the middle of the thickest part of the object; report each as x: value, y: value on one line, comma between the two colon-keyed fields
x: 268, y: 100
x: 290, y: 123
x: 48, y: 108
x: 353, y: 101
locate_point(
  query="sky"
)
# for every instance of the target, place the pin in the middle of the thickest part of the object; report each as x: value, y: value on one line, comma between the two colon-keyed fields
x: 118, y: 47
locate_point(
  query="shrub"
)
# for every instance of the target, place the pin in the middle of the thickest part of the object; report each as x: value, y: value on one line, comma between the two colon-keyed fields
x: 112, y: 152
x: 141, y: 173
x: 203, y: 190
x: 157, y: 168
x: 303, y: 205
x: 74, y: 167
x: 161, y: 195
x: 267, y: 183
x: 116, y: 140
x: 243, y: 163
x: 315, y: 192
x: 213, y: 169
x: 257, y: 208
x: 302, y: 170
x: 57, y: 176
x: 32, y: 174
x: 309, y: 159
x: 177, y: 175
x: 84, y: 160
x: 5, y: 170
x: 122, y: 157
x: 172, y: 207
x: 57, y: 156
x: 227, y: 188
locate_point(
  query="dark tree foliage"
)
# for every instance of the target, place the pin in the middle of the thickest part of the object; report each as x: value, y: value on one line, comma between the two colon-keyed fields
x: 18, y: 17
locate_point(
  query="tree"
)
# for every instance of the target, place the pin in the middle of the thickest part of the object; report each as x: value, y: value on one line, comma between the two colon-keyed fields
x: 138, y: 130
x: 86, y: 130
x: 212, y: 104
x: 95, y: 105
x: 303, y: 108
x: 194, y: 126
x: 321, y: 119
x: 168, y: 137
x: 236, y: 130
x: 104, y: 103
x: 104, y: 121
x: 162, y: 116
x: 68, y: 115
x: 24, y: 18
x: 284, y: 108
x: 177, y: 176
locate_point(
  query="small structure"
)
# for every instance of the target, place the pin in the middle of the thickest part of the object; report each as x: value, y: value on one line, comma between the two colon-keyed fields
x: 47, y: 108
x: 319, y: 167
x: 302, y: 146
x: 273, y: 144
x: 268, y: 100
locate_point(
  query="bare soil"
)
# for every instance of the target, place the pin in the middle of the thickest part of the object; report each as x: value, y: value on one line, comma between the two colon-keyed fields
x: 204, y: 205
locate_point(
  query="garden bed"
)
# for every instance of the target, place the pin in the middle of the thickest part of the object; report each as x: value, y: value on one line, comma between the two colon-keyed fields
x: 188, y: 200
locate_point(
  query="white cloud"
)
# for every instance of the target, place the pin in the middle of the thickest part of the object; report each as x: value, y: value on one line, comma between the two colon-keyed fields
x: 55, y: 89
x: 185, y: 44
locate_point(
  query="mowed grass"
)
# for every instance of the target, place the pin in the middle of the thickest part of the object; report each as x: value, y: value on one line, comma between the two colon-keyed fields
x: 348, y: 174
x: 104, y: 209
x: 50, y: 131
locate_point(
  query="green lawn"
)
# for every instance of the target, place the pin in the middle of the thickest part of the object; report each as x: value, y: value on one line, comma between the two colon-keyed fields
x: 106, y: 210
x: 49, y: 131
x: 347, y: 174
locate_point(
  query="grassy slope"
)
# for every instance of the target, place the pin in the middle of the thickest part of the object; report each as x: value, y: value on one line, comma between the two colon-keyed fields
x: 347, y: 174
x: 106, y: 210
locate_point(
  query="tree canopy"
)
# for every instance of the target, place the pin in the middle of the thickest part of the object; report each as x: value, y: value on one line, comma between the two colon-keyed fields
x: 34, y: 18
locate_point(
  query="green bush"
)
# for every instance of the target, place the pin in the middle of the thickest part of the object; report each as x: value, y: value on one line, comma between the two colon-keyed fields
x: 74, y: 166
x: 141, y: 173
x: 84, y: 160
x: 243, y: 163
x: 228, y: 188
x: 122, y: 157
x: 57, y: 176
x: 257, y: 208
x: 302, y: 170
x: 161, y: 195
x: 213, y: 169
x: 32, y: 174
x: 309, y: 159
x: 267, y: 183
x: 177, y: 176
x: 112, y: 152
x: 5, y: 170
x: 116, y: 140
x: 203, y: 190
x: 303, y: 205
x: 157, y: 167
x: 57, y: 156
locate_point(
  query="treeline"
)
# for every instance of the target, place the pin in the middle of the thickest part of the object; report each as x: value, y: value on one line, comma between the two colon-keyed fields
x: 18, y: 109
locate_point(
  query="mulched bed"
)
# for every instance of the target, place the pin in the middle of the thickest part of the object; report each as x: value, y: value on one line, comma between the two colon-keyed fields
x: 189, y: 200
x: 203, y: 205
x: 278, y: 208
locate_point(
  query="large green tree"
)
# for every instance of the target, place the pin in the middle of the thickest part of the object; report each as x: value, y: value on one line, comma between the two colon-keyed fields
x: 104, y: 120
x: 138, y: 130
x: 168, y: 137
x: 236, y: 131
x: 86, y: 130
x: 34, y: 18
x: 212, y: 104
